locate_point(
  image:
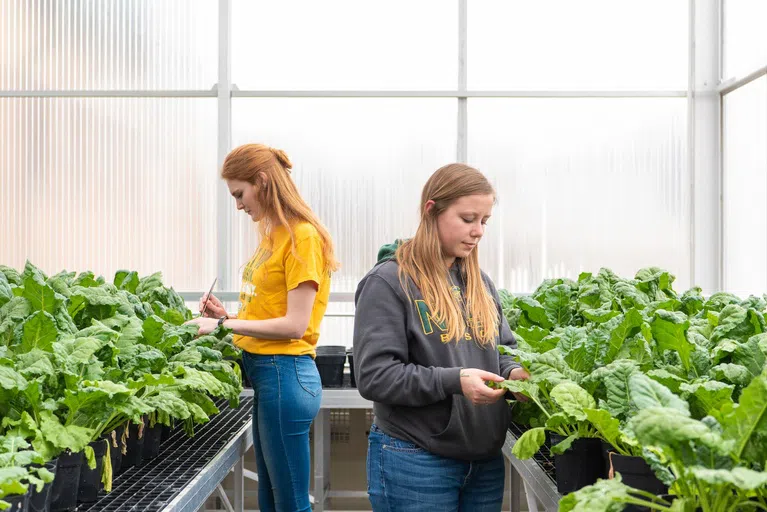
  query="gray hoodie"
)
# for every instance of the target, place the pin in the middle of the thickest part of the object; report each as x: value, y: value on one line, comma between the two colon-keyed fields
x: 403, y: 365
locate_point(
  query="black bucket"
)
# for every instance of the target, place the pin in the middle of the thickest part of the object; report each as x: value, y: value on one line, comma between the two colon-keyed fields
x: 350, y: 357
x: 579, y: 466
x: 152, y: 437
x: 606, y: 449
x: 331, y: 369
x: 18, y: 502
x: 134, y: 447
x: 67, y: 481
x: 115, y: 452
x: 90, y: 479
x: 636, y: 473
x: 41, y: 501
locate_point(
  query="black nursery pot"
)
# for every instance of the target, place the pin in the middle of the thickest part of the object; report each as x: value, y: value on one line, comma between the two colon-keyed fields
x: 579, y: 466
x: 67, y: 481
x: 330, y: 364
x: 90, y: 479
x: 134, y: 447
x: 153, y: 437
x: 18, y: 502
x: 115, y: 454
x: 41, y: 501
x: 637, y: 473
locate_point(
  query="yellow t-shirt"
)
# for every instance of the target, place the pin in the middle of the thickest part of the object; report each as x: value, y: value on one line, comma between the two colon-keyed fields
x: 270, y: 274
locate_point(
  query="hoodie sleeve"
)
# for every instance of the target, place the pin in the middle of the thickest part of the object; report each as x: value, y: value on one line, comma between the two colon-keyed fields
x: 381, y: 362
x: 506, y: 337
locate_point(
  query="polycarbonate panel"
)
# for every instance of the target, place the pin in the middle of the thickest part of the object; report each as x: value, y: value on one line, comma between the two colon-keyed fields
x: 108, y: 44
x: 745, y: 37
x: 345, y: 44
x: 359, y: 163
x: 107, y: 184
x: 745, y: 187
x: 583, y: 184
x: 584, y: 44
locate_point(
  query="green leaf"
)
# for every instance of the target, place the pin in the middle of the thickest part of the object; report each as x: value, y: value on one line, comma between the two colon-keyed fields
x: 625, y: 327
x: 733, y: 373
x: 71, y: 437
x: 11, y: 275
x: 556, y: 303
x: 668, y: 329
x: 564, y: 445
x: 615, y: 379
x: 742, y: 478
x: 555, y: 421
x: 12, y: 314
x: 126, y: 280
x: 529, y: 443
x: 734, y: 323
x: 600, y: 315
x: 672, y: 429
x: 40, y: 332
x: 647, y: 393
x: 573, y: 399
x: 551, y: 367
x: 11, y: 380
x: 77, y: 351
x: 35, y: 363
x: 746, y: 425
x: 41, y: 297
x: 668, y: 379
x: 170, y: 404
x: 149, y: 282
x: 188, y: 356
x: 6, y: 293
x: 603, y: 496
x: 534, y: 312
x: 607, y: 426
x: 579, y: 349
x: 707, y: 396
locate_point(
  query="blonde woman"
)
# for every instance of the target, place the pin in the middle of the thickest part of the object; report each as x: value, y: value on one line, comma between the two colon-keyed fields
x: 427, y: 325
x: 285, y: 289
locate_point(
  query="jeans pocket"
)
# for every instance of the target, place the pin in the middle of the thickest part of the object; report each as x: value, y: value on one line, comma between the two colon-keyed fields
x: 307, y: 375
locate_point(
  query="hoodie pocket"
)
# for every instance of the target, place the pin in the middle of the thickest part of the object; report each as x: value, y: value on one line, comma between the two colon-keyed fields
x: 473, y: 431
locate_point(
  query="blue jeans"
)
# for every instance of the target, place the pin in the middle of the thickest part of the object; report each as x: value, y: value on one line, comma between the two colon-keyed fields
x: 403, y: 477
x: 286, y: 397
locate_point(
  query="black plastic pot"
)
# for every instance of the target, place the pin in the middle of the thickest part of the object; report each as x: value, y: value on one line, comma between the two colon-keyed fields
x: 41, y: 501
x: 606, y: 449
x: 331, y: 368
x: 152, y: 437
x: 18, y: 502
x: 330, y: 362
x: 637, y: 473
x: 579, y: 466
x: 90, y: 479
x: 115, y: 453
x: 67, y: 481
x: 350, y: 357
x: 134, y: 447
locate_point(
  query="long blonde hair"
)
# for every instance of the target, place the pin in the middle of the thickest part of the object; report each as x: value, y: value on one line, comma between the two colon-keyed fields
x: 279, y: 197
x: 421, y: 259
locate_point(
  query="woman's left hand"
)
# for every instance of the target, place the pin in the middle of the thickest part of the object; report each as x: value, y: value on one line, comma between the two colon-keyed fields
x: 519, y: 374
x: 207, y: 325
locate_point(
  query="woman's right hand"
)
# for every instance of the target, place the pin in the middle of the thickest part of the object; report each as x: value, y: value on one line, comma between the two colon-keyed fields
x: 474, y: 387
x: 215, y: 308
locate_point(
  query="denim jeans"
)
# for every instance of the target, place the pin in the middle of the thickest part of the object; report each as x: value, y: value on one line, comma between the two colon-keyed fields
x: 286, y: 397
x: 403, y: 477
